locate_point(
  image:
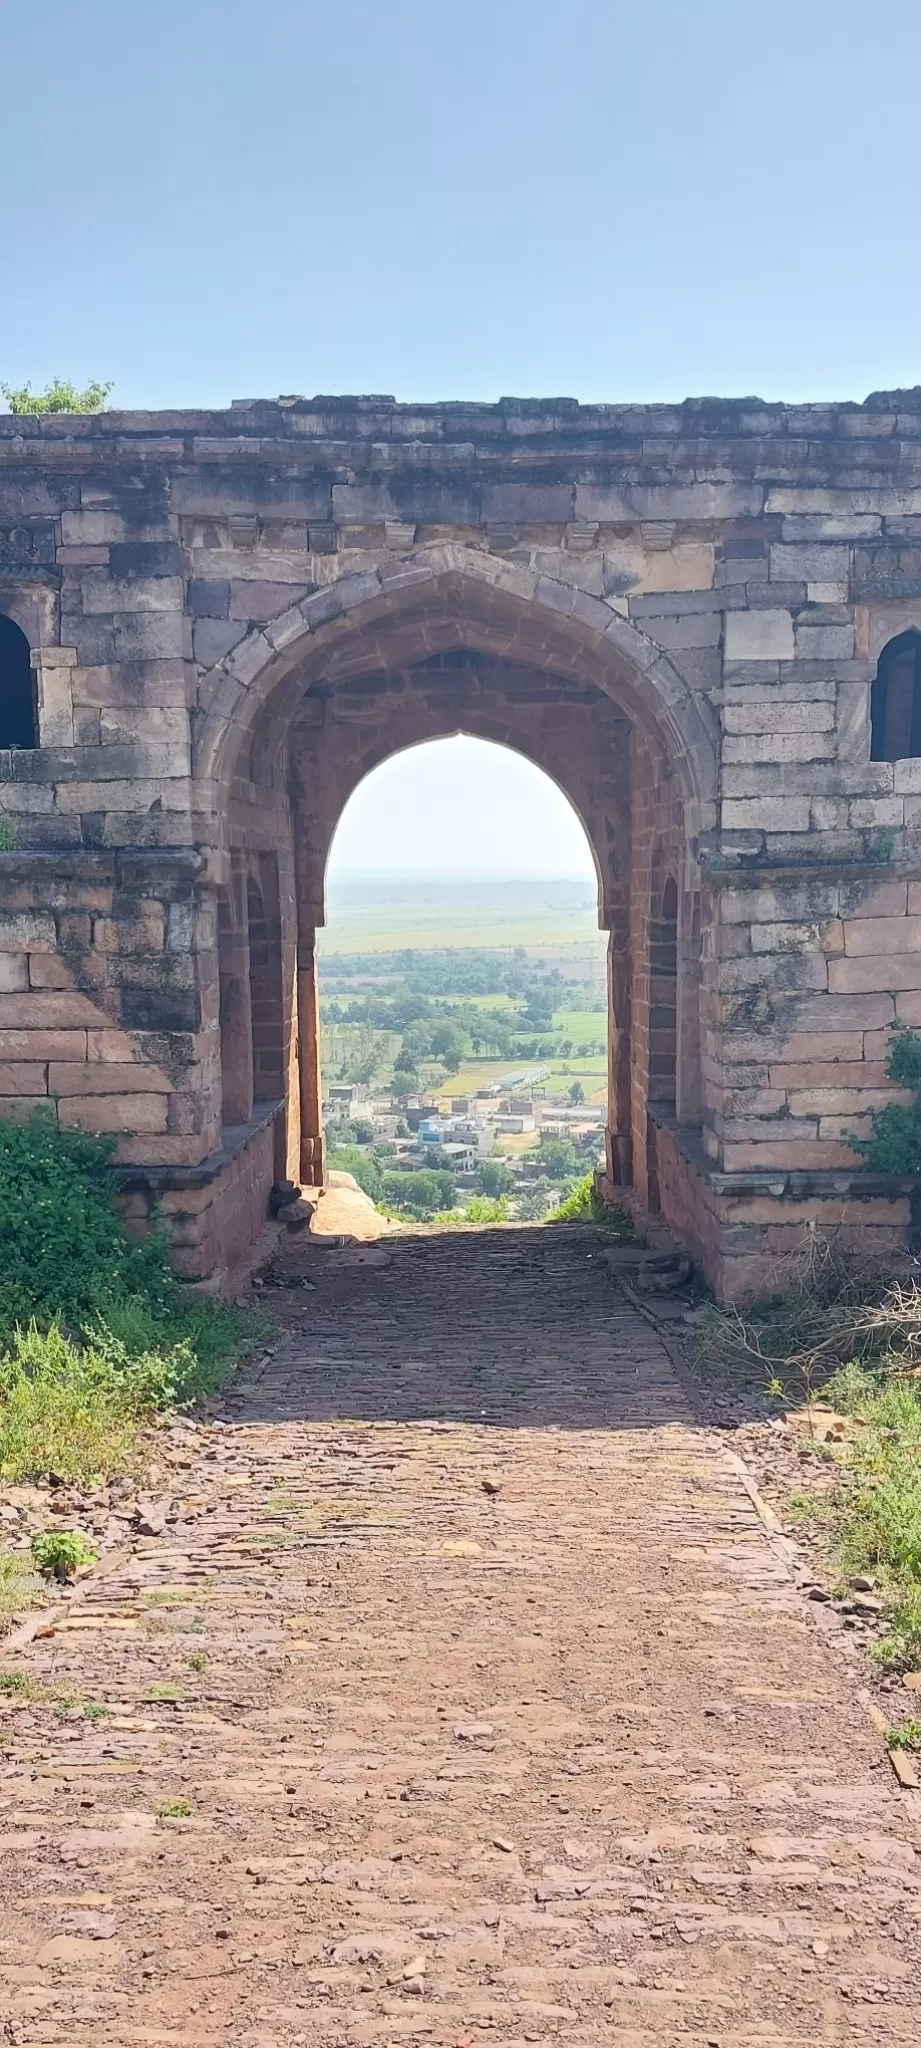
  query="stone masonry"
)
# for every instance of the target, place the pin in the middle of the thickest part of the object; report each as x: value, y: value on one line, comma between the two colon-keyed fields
x: 682, y: 613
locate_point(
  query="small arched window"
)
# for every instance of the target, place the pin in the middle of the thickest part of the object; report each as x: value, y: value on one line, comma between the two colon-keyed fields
x: 17, y: 688
x: 895, y: 700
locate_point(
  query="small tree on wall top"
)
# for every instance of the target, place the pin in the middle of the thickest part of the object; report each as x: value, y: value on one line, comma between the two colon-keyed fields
x: 59, y: 396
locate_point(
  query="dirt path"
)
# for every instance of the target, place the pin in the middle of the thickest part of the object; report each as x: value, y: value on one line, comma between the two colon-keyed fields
x: 563, y: 1760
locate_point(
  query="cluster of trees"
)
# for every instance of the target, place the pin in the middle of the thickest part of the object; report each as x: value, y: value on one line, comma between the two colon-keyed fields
x: 462, y: 971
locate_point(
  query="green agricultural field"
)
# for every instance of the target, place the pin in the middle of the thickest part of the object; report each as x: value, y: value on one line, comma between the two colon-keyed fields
x: 584, y: 1027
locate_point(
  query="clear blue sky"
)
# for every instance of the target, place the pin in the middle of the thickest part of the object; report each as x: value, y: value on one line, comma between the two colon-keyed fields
x: 460, y: 806
x: 210, y: 199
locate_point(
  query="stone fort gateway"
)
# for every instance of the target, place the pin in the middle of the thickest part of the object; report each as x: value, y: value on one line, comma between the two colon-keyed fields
x: 702, y: 620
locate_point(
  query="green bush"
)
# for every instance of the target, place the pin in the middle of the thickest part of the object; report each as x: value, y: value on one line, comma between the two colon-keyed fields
x: 62, y: 1551
x: 64, y: 1250
x: 481, y: 1210
x: 895, y: 1145
x: 96, y: 1335
x: 583, y: 1204
x: 61, y: 395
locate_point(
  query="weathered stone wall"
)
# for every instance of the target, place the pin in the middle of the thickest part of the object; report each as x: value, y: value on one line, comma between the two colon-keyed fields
x: 677, y: 610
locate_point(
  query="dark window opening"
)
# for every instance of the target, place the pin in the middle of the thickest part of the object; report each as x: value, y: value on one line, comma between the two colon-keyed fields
x: 895, y: 700
x: 17, y: 688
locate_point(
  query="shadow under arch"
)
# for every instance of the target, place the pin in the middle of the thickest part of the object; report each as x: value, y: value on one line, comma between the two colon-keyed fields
x: 441, y: 598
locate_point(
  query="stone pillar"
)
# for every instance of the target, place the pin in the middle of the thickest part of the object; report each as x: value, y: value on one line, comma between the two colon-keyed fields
x: 313, y: 1162
x: 618, y: 1142
x: 236, y: 1003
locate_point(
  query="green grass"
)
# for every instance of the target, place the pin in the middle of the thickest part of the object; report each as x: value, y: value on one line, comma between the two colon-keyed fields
x: 173, y: 1809
x: 583, y: 1205
x: 832, y: 1333
x: 18, y: 1584
x: 96, y: 1335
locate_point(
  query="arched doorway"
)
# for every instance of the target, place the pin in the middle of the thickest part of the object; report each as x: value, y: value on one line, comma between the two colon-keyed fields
x: 462, y: 960
x: 289, y: 734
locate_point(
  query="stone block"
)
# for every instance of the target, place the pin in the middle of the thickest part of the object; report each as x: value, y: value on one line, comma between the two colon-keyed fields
x: 149, y: 636
x: 764, y: 635
x: 778, y: 746
x: 24, y: 931
x: 875, y: 973
x: 14, y: 972
x: 841, y: 1102
x: 785, y: 970
x: 106, y: 1077
x: 908, y: 778
x: 23, y: 1078
x: 821, y: 1073
x: 742, y: 718
x: 213, y: 638
x: 766, y: 814
x: 809, y: 563
x: 209, y: 597
x: 258, y: 601
x: 754, y: 905
x: 65, y: 1012
x: 827, y: 937
x: 130, y: 1113
x: 866, y: 812
x: 37, y: 1044
x: 802, y: 1049
x: 106, y: 594
x: 841, y: 1012
x: 824, y: 643
x: 886, y: 935
x: 809, y: 1156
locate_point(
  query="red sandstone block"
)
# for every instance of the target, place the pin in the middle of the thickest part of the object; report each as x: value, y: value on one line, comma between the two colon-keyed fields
x: 845, y: 1127
x: 820, y: 1073
x: 878, y: 973
x: 825, y: 1102
x: 869, y: 935
x: 810, y: 1155
x: 158, y: 1148
x: 24, y: 1078
x: 48, y: 1012
x: 131, y: 1113
x: 42, y: 1045
x: 104, y: 1077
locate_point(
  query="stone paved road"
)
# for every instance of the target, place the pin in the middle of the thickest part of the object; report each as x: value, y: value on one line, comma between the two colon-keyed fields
x: 566, y: 1761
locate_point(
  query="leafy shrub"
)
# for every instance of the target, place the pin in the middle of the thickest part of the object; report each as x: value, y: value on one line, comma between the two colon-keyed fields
x: 64, y: 1250
x: 481, y: 1210
x: 59, y: 396
x: 62, y: 1552
x: 95, y: 1333
x: 584, y: 1205
x: 895, y: 1145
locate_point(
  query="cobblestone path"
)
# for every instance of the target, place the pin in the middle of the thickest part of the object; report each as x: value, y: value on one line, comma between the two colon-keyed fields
x: 493, y: 1708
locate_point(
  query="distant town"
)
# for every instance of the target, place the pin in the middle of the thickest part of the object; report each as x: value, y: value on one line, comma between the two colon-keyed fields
x: 465, y: 1081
